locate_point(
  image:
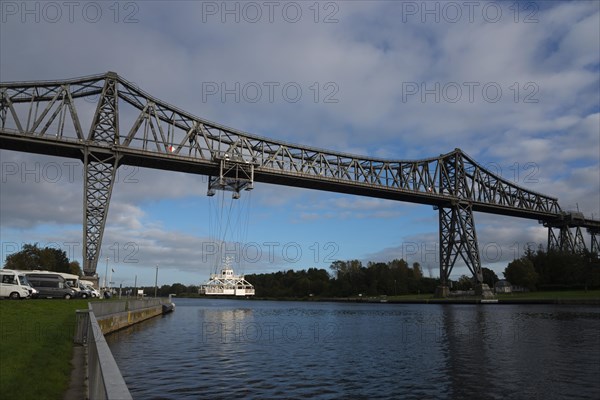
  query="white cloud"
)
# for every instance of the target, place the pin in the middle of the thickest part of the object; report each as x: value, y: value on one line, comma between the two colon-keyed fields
x: 370, y: 54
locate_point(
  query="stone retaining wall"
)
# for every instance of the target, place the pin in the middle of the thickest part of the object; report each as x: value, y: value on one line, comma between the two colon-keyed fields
x: 113, y: 322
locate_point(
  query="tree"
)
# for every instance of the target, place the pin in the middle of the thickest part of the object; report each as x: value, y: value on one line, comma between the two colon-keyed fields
x: 417, y: 271
x: 521, y: 272
x: 489, y: 277
x: 26, y: 259
x: 339, y: 268
x: 32, y: 257
x: 75, y: 268
x: 464, y: 283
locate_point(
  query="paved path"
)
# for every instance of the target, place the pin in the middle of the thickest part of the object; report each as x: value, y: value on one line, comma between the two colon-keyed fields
x: 78, y: 385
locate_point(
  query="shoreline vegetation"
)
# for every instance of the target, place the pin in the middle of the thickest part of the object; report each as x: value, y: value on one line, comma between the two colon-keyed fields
x: 574, y: 297
x: 37, y: 335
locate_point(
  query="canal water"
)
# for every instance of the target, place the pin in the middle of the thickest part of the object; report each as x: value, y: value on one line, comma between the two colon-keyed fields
x: 224, y: 349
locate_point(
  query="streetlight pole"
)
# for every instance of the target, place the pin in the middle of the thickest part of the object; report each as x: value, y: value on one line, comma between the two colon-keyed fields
x: 106, y: 272
x: 156, y: 281
x: 110, y: 282
x: 121, y: 288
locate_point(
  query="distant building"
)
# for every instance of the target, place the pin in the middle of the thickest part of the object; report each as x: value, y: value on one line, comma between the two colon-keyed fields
x: 519, y: 289
x: 503, y: 286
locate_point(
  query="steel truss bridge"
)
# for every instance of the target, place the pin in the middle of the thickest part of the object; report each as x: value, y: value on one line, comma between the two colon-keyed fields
x: 106, y: 121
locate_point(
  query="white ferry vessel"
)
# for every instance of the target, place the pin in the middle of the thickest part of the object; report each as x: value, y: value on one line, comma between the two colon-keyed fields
x: 227, y: 283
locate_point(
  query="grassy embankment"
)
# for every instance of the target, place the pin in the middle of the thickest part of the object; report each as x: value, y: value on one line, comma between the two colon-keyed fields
x: 550, y: 297
x: 557, y: 295
x: 36, y: 346
x: 525, y: 296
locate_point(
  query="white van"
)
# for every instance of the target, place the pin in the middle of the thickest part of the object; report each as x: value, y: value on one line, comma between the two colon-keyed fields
x: 70, y: 280
x: 14, y: 284
x: 89, y: 285
x: 75, y: 284
x: 50, y: 285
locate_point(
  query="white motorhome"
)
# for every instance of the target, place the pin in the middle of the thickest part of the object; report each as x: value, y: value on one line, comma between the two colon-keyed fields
x: 50, y: 285
x: 71, y: 280
x: 14, y: 284
x: 75, y: 284
x: 89, y: 285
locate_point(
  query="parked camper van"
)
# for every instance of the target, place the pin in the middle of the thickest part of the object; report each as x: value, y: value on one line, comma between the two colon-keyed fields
x: 74, y: 283
x: 89, y: 286
x: 50, y: 285
x: 14, y: 284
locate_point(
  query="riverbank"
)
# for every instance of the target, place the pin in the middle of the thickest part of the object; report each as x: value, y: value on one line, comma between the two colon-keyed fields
x: 38, y: 357
x: 575, y: 297
x: 590, y: 297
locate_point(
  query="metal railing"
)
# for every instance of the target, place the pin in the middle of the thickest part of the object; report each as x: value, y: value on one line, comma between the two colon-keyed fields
x: 104, y: 377
x: 105, y: 381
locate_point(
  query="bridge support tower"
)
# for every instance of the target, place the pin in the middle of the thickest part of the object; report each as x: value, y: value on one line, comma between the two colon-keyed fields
x: 458, y: 237
x: 595, y: 246
x: 100, y: 164
x: 561, y: 237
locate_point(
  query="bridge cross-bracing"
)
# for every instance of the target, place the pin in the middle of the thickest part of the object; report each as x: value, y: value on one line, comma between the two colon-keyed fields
x: 127, y: 126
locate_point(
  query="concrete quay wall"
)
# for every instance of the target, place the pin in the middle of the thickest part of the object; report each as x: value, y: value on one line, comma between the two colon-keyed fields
x: 113, y: 322
x: 103, y: 380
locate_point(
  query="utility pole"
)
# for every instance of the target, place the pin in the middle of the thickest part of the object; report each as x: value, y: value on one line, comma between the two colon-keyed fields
x: 110, y: 281
x: 135, y: 287
x: 105, y: 272
x: 156, y: 281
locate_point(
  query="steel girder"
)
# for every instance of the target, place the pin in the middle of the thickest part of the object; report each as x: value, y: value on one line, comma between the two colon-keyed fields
x: 164, y: 132
x: 100, y: 169
x: 44, y: 117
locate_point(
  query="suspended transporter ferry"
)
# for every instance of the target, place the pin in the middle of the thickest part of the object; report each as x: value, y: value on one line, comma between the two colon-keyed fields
x: 227, y: 283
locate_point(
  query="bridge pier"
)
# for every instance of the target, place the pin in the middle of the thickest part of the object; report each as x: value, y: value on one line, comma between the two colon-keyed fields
x: 565, y: 241
x: 562, y: 239
x: 442, y: 291
x: 100, y: 168
x: 483, y: 290
x: 457, y: 238
x: 595, y: 247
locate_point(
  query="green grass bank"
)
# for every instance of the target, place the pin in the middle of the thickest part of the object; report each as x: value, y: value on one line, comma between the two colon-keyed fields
x: 555, y: 297
x: 36, y: 347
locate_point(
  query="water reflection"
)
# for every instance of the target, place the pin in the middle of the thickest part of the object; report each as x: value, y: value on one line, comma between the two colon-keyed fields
x: 508, y: 353
x: 223, y: 349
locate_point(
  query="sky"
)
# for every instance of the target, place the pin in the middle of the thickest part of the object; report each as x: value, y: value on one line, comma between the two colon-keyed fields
x: 515, y: 85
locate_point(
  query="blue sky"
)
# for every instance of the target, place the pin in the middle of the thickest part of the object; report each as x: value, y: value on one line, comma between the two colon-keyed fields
x: 401, y: 80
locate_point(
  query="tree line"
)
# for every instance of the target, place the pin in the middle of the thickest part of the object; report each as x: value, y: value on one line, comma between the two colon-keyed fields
x: 554, y: 270
x: 49, y: 259
x: 347, y: 278
x: 536, y: 270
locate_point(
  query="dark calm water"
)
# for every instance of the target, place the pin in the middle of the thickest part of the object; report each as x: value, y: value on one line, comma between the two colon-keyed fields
x: 224, y: 349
